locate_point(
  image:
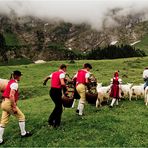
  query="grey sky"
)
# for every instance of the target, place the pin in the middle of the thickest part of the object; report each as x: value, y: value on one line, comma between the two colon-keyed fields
x: 75, y: 11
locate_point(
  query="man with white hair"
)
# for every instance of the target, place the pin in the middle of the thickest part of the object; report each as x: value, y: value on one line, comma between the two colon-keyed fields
x: 145, y: 77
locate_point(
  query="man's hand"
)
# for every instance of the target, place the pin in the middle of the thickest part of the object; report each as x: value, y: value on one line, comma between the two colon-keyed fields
x: 44, y: 83
x: 45, y: 80
x: 14, y: 109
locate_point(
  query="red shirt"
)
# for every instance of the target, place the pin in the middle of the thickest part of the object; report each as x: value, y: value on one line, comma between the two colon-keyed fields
x: 6, y: 92
x: 55, y: 79
x: 81, y: 77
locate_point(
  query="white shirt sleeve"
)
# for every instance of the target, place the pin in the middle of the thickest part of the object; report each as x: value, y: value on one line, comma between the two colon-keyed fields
x: 87, y: 75
x: 75, y: 76
x: 120, y: 81
x: 14, y: 86
x: 145, y: 73
x: 111, y: 81
x: 62, y: 76
x: 50, y: 75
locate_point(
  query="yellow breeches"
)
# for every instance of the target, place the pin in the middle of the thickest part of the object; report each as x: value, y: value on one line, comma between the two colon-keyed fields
x: 6, y: 106
x: 81, y: 89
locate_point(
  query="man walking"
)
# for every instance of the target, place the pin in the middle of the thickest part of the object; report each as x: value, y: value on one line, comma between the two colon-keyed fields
x: 57, y: 84
x: 9, y: 106
x: 81, y: 82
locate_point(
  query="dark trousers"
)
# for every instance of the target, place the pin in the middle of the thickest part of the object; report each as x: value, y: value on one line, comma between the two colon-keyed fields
x: 146, y: 83
x: 55, y: 116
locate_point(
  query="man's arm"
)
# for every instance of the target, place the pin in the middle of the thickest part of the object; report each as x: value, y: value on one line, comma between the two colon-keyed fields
x: 63, y: 86
x: 62, y: 82
x: 46, y: 79
x: 12, y: 98
x: 87, y: 78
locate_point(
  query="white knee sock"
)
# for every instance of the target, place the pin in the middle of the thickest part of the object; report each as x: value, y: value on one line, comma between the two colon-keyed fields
x: 117, y: 102
x: 113, y: 101
x: 22, y: 127
x: 81, y: 107
x: 1, y: 133
x: 78, y: 105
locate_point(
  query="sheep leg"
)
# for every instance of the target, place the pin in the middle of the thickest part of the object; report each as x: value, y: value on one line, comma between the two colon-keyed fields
x: 130, y: 96
x: 73, y: 104
x: 97, y: 103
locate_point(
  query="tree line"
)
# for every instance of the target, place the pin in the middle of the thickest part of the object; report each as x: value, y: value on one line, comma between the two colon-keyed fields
x: 113, y: 52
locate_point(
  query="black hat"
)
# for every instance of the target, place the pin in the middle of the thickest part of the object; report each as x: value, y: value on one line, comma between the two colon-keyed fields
x: 63, y: 66
x: 87, y: 65
x: 17, y: 73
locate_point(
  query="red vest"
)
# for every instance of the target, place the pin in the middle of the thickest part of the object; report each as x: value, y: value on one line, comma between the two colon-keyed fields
x: 115, y: 88
x: 81, y: 77
x: 55, y: 80
x: 6, y: 93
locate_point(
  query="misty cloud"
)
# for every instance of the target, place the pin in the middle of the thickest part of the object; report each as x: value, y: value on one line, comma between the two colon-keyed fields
x: 92, y: 12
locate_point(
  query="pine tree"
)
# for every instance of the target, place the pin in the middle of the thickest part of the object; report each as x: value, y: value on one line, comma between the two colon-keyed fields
x: 3, y: 49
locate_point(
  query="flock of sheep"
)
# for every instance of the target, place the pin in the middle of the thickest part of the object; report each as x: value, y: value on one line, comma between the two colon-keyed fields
x: 126, y: 91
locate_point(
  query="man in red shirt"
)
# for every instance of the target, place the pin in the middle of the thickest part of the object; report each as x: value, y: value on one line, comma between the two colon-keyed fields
x: 57, y: 84
x: 81, y: 82
x: 9, y: 106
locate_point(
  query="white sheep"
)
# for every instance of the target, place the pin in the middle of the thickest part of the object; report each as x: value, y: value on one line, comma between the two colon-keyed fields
x: 3, y: 84
x: 98, y: 86
x: 137, y: 91
x: 103, y: 94
x: 125, y: 90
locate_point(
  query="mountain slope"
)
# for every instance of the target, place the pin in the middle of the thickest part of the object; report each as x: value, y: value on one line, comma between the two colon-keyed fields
x: 34, y: 36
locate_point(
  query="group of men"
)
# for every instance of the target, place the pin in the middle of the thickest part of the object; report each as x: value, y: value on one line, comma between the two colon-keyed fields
x: 58, y: 87
x: 11, y: 95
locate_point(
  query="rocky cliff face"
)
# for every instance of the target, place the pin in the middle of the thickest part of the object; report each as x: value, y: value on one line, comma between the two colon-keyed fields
x: 39, y: 39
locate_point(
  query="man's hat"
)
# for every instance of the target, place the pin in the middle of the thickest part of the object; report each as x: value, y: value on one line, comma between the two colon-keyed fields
x: 87, y: 65
x: 17, y: 73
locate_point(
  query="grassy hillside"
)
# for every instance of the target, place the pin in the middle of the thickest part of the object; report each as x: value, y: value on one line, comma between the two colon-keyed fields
x: 11, y: 39
x: 143, y: 44
x: 122, y: 126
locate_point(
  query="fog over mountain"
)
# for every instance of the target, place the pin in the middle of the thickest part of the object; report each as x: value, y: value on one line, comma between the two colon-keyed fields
x: 93, y: 12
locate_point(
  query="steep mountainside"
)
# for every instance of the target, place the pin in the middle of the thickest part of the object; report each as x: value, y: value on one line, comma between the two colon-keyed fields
x: 39, y: 39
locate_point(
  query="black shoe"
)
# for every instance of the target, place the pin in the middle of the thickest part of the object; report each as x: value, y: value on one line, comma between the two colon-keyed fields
x: 111, y: 106
x: 51, y: 123
x: 56, y: 126
x: 28, y: 134
x: 50, y: 126
x: 77, y: 111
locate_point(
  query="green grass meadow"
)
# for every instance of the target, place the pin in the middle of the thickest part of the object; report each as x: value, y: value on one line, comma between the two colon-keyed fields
x: 143, y: 45
x: 125, y: 125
